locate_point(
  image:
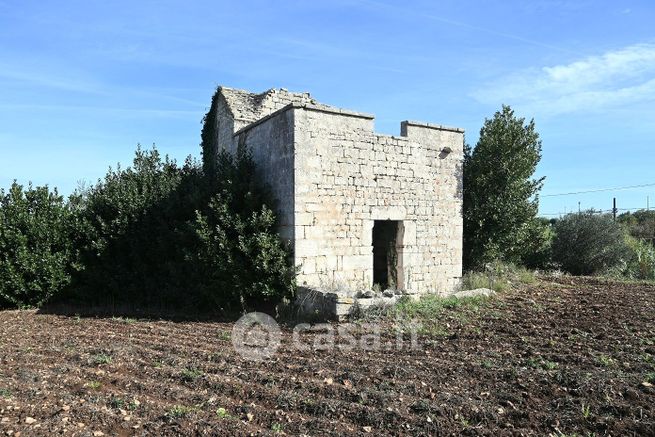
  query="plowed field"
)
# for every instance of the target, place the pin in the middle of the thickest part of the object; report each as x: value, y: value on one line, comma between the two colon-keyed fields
x: 566, y: 356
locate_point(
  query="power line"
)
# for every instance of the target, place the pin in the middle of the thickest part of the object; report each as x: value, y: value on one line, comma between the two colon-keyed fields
x: 599, y: 190
x: 596, y: 211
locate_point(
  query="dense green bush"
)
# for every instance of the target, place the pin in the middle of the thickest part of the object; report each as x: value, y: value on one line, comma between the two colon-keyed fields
x: 640, y: 224
x: 37, y: 255
x: 138, y: 244
x: 244, y: 257
x: 589, y: 243
x: 537, y: 251
x: 209, y: 140
x: 641, y: 261
x: 162, y: 237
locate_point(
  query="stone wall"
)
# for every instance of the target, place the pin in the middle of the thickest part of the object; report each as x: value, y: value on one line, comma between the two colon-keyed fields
x: 272, y: 146
x: 238, y: 109
x: 347, y: 176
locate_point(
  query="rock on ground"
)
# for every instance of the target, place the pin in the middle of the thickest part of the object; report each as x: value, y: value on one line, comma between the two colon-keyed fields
x: 485, y: 292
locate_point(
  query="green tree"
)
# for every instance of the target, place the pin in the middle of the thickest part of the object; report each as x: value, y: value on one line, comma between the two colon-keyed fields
x: 37, y: 256
x: 500, y: 193
x: 161, y: 237
x: 138, y: 236
x: 209, y: 140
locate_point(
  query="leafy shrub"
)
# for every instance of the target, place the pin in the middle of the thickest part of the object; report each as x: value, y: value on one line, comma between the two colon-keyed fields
x: 138, y: 241
x: 163, y: 237
x: 245, y: 260
x: 154, y: 235
x: 537, y: 251
x: 588, y: 243
x: 37, y: 256
x: 640, y: 224
x: 641, y: 262
x: 209, y: 140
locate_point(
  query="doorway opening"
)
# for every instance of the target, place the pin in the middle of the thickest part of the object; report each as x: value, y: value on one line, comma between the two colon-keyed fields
x: 387, y: 254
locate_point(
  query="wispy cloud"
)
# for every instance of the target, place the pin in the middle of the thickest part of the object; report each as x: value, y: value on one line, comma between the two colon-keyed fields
x: 612, y: 79
x: 555, y: 6
x: 46, y: 75
x: 456, y: 23
x: 312, y: 50
x: 114, y: 111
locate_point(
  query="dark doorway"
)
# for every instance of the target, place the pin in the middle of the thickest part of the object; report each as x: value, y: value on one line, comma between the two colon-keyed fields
x: 387, y: 254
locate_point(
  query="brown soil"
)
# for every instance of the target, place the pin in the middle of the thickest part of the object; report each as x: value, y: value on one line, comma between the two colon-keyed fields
x: 574, y: 356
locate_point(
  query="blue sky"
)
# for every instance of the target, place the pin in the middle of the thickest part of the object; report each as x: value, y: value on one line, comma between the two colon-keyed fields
x: 81, y: 83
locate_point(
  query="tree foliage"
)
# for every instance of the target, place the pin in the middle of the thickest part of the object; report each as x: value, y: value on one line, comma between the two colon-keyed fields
x: 163, y: 237
x: 500, y: 193
x: 588, y: 243
x: 209, y: 140
x: 155, y: 236
x: 139, y: 241
x: 37, y: 255
x: 640, y: 224
x: 245, y: 260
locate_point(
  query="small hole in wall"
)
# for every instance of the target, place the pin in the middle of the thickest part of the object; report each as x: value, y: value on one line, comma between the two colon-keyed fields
x: 445, y: 152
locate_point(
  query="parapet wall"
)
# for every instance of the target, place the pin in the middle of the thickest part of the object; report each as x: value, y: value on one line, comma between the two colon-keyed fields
x: 271, y: 142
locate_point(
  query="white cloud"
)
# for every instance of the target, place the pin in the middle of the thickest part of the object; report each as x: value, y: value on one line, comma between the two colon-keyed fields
x: 615, y: 78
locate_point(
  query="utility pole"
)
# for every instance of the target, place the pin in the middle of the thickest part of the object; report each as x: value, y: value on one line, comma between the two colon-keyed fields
x: 579, y: 207
x: 614, y: 209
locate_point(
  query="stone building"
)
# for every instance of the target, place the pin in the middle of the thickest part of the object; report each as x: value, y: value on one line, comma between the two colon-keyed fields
x: 359, y: 208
